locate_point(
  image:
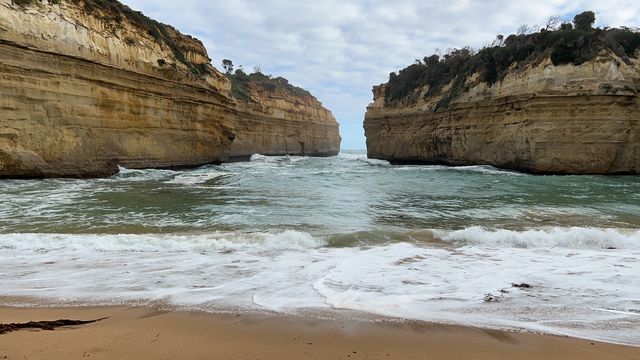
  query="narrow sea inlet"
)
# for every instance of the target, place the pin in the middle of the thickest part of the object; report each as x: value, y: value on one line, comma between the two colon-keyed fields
x: 470, y: 245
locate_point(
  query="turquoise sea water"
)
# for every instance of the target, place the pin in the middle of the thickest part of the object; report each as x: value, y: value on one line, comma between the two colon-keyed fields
x: 318, y: 195
x: 294, y: 234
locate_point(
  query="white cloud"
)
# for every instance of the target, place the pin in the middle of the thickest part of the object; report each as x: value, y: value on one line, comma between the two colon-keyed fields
x: 339, y: 49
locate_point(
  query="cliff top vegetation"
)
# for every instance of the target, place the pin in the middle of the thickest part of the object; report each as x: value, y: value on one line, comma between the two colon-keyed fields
x: 564, y: 43
x: 242, y: 82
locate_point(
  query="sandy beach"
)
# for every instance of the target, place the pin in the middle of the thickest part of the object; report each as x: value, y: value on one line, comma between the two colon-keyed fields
x: 136, y: 333
x: 281, y: 179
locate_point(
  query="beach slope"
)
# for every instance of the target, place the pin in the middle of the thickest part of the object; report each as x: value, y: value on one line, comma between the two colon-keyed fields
x: 132, y: 333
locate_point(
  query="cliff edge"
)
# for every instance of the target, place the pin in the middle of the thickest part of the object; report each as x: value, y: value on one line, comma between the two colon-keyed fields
x: 562, y: 101
x: 88, y: 85
x: 277, y: 118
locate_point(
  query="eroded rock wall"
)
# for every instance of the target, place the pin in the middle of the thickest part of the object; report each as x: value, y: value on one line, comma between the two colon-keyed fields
x: 543, y: 119
x: 280, y: 122
x: 85, y: 88
x: 80, y: 94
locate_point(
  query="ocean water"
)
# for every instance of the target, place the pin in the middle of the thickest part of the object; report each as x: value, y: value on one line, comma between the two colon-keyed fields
x: 302, y: 235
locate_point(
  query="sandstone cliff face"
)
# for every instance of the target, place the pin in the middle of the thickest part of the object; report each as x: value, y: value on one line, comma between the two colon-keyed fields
x: 85, y: 88
x: 278, y: 122
x: 82, y: 93
x: 563, y: 119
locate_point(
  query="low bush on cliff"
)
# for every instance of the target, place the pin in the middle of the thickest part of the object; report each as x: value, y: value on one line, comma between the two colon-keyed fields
x: 565, y: 44
x: 242, y: 82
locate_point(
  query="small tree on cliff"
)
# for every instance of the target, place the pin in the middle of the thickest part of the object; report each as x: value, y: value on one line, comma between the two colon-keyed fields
x: 554, y: 23
x: 227, y: 65
x: 584, y: 21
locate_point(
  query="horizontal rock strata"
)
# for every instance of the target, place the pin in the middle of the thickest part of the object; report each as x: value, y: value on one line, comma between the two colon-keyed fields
x: 87, y: 86
x: 280, y: 122
x: 563, y: 119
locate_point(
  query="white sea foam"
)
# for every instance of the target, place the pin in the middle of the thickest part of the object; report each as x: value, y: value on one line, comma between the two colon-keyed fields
x: 482, y: 169
x: 579, y: 290
x: 258, y: 241
x: 141, y: 174
x: 372, y: 250
x: 284, y: 159
x: 295, y: 159
x: 362, y: 158
x: 486, y: 169
x: 573, y: 238
x: 267, y: 159
x: 194, y: 178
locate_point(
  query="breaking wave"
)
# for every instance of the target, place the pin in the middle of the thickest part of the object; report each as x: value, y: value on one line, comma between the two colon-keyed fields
x: 572, y: 237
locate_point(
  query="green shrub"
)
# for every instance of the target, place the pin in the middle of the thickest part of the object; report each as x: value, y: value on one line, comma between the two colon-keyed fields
x: 241, y: 84
x: 566, y: 45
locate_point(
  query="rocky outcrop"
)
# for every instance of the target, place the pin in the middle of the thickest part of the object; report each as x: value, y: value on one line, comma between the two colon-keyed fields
x: 271, y: 113
x: 86, y: 89
x: 88, y: 85
x: 543, y: 118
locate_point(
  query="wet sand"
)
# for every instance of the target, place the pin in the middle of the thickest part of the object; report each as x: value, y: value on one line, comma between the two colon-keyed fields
x: 137, y: 333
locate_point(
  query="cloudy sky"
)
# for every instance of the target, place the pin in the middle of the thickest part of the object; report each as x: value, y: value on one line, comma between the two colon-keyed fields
x: 339, y: 49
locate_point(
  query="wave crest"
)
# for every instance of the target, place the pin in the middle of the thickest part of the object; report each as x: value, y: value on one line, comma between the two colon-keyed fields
x: 201, y: 243
x: 573, y: 237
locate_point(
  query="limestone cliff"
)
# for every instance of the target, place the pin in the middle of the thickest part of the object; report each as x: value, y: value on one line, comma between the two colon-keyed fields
x: 539, y: 117
x: 88, y: 85
x: 271, y: 112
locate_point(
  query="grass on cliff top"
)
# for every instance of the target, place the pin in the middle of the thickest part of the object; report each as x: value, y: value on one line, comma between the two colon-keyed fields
x: 241, y: 85
x: 564, y: 43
